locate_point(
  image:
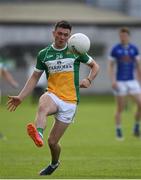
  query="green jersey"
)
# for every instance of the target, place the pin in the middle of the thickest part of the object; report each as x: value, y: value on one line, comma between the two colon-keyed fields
x: 62, y: 71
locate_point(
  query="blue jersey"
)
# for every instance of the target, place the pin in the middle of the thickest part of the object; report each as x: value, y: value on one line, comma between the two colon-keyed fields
x: 125, y: 58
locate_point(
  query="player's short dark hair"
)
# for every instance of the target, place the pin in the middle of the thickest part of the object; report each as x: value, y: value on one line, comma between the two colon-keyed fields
x: 124, y: 30
x: 63, y: 24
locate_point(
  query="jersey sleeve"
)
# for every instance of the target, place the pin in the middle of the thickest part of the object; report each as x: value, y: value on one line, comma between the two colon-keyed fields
x: 39, y: 64
x: 85, y: 58
x: 137, y: 54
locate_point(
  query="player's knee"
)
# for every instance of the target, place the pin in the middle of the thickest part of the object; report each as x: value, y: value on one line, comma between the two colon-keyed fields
x: 51, y: 142
x: 117, y: 114
x: 41, y: 106
x: 121, y: 108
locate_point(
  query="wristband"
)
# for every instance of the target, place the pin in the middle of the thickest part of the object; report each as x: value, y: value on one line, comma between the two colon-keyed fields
x: 89, y: 80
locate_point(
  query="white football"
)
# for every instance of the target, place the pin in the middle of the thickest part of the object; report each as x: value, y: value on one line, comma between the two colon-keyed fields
x: 79, y: 42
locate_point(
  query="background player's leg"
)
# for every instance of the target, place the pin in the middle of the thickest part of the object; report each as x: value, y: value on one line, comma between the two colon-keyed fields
x: 120, y: 101
x: 136, y: 129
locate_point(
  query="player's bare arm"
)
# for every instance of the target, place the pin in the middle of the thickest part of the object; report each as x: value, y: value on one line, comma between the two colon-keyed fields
x: 85, y: 83
x: 111, y: 71
x: 139, y: 70
x: 14, y: 101
x: 8, y: 76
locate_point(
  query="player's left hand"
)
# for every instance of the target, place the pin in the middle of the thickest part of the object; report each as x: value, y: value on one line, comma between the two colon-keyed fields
x: 85, y: 83
x: 13, y: 103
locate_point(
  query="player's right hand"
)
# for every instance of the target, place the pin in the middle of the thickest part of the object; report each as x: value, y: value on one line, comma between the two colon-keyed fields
x: 13, y: 103
x: 114, y: 85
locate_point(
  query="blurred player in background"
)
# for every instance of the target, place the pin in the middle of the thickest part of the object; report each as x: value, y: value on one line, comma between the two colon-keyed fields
x: 4, y: 73
x: 62, y: 96
x: 125, y: 56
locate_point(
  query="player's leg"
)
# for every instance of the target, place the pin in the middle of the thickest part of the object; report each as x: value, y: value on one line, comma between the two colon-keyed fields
x: 63, y: 118
x: 55, y: 135
x: 120, y: 104
x: 136, y: 129
x: 46, y: 107
x: 135, y: 92
x: 120, y: 96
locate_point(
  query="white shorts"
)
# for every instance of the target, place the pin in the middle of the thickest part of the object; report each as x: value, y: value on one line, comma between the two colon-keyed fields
x: 66, y: 111
x: 131, y: 87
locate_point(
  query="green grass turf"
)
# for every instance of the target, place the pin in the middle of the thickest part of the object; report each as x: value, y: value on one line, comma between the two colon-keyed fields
x: 89, y: 147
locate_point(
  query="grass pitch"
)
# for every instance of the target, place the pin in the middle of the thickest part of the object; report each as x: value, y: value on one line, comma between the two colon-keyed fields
x: 89, y: 147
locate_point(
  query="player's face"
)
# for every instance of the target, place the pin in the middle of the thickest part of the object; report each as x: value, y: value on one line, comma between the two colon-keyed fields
x: 124, y: 38
x: 61, y: 37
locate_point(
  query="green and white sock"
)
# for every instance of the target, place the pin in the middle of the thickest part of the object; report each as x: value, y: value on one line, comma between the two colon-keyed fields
x: 40, y: 131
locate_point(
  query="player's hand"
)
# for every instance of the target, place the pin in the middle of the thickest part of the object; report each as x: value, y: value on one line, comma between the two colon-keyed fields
x: 114, y: 85
x: 13, y: 103
x: 85, y: 83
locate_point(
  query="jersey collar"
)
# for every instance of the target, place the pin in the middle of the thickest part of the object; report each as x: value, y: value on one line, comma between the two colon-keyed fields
x: 58, y: 49
x: 125, y: 46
